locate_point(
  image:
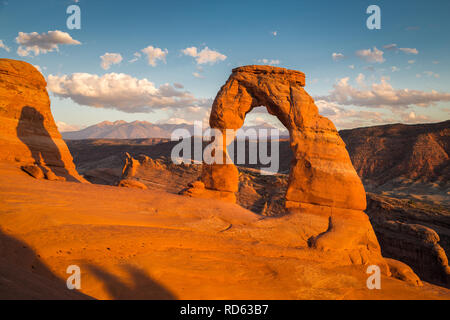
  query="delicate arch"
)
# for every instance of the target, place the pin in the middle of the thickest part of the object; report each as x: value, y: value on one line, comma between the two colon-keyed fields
x: 321, y: 171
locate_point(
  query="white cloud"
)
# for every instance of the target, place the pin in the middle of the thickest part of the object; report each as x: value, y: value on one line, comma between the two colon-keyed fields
x: 369, y: 55
x: 154, y: 54
x: 258, y: 121
x: 272, y: 62
x: 412, y: 117
x: 120, y: 91
x: 64, y: 127
x: 409, y: 50
x: 263, y: 119
x: 136, y: 55
x: 360, y: 80
x: 431, y: 74
x: 394, y: 69
x: 391, y: 46
x: 197, y: 75
x: 382, y: 95
x: 2, y: 45
x: 188, y: 115
x: 352, y: 66
x: 109, y: 59
x: 411, y: 61
x: 39, y: 68
x: 346, y: 117
x: 42, y: 43
x: 191, y: 51
x: 274, y: 33
x: 204, y: 56
x: 337, y: 56
x: 394, y: 47
x: 176, y: 121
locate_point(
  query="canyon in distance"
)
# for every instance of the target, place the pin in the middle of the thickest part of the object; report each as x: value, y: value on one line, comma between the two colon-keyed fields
x: 110, y: 200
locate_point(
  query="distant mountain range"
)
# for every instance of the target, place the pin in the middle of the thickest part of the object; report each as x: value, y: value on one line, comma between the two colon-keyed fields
x: 135, y: 130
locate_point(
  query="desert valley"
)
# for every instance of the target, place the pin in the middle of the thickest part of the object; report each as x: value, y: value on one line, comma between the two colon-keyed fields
x: 139, y: 226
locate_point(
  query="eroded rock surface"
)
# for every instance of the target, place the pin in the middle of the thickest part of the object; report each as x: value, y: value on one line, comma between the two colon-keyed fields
x: 127, y: 183
x: 321, y: 171
x: 261, y: 194
x: 414, y: 153
x: 130, y: 167
x: 28, y: 133
x: 149, y: 244
x: 33, y: 170
x: 324, y: 192
x: 416, y: 234
x: 403, y: 272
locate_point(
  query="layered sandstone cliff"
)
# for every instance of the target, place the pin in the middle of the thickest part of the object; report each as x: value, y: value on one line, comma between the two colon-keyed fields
x: 418, y: 152
x: 28, y: 133
x: 414, y: 233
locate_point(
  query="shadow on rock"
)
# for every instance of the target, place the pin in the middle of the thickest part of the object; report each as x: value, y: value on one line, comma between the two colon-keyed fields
x: 32, y: 132
x: 142, y: 287
x: 24, y: 276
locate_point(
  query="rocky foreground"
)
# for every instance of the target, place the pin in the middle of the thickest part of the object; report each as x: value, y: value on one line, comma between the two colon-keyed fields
x: 133, y: 244
x: 414, y: 232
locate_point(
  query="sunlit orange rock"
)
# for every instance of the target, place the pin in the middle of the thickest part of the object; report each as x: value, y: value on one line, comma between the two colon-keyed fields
x: 28, y: 133
x: 136, y: 244
x: 324, y: 193
x: 128, y: 183
x: 321, y: 172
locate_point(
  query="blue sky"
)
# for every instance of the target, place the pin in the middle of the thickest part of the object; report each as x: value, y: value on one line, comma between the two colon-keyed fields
x: 408, y: 82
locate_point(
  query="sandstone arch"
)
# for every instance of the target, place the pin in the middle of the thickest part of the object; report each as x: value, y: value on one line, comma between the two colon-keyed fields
x: 324, y: 195
x: 321, y: 172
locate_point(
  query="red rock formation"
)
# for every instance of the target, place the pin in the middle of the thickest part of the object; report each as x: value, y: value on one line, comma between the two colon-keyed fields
x: 417, y: 152
x: 28, y: 133
x: 413, y: 233
x: 324, y: 190
x: 403, y: 272
x: 130, y: 166
x: 128, y: 183
x: 321, y: 172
